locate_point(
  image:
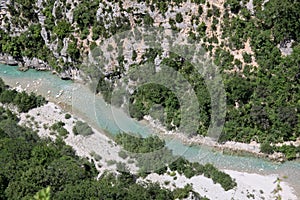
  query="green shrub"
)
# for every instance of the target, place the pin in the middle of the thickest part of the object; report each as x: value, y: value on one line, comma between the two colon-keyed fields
x: 123, y: 154
x: 111, y: 162
x: 96, y: 156
x: 266, y: 148
x: 179, y: 18
x: 67, y: 116
x: 82, y: 128
x: 290, y: 151
x: 59, y: 128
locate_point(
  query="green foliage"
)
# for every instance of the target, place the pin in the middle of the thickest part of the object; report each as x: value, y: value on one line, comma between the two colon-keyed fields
x: 121, y: 167
x: 262, y: 102
x: 266, y: 148
x: 149, y: 95
x: 183, y: 193
x: 85, y: 13
x: 59, y: 128
x: 201, y: 29
x: 181, y: 165
x: 150, y: 153
x: 123, y: 154
x: 179, y: 18
x: 148, y: 20
x: 291, y: 152
x: 282, y: 17
x: 30, y: 164
x: 234, y: 5
x: 82, y: 128
x: 96, y: 156
x: 136, y: 144
x: 189, y: 169
x: 105, y: 88
x: 219, y: 177
x: 67, y: 116
x: 27, y: 8
x: 199, y: 1
x: 22, y: 100
x: 62, y: 29
x: 110, y: 187
x: 43, y: 194
x: 73, y: 51
x: 247, y: 58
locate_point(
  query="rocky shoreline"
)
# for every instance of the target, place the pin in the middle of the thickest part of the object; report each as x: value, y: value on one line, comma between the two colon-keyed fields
x: 228, y: 147
x: 26, y: 63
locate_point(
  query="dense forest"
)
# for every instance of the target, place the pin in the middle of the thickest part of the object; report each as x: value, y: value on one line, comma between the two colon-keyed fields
x: 248, y: 45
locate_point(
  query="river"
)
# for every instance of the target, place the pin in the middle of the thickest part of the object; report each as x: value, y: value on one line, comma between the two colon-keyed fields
x: 92, y: 108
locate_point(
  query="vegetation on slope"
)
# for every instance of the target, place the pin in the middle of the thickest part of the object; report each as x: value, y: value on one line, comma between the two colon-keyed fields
x: 161, y: 154
x: 21, y: 100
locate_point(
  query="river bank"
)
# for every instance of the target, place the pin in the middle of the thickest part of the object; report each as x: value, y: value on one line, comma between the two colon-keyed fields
x: 103, y: 151
x: 93, y: 147
x: 25, y: 63
x: 238, y: 148
x: 97, y: 113
x: 249, y: 186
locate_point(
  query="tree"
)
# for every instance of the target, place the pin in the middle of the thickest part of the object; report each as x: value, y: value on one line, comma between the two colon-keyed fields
x: 282, y: 17
x: 148, y: 20
x: 43, y: 194
x: 73, y: 51
x: 62, y: 29
x: 234, y: 5
x: 179, y: 18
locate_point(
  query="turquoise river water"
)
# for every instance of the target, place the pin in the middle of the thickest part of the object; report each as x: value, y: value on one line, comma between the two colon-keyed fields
x: 93, y: 109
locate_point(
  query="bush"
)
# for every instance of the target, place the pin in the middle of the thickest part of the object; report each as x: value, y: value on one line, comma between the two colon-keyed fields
x: 111, y: 162
x: 290, y: 151
x: 59, y: 128
x: 67, y: 116
x: 123, y: 154
x: 82, y: 128
x: 62, y: 132
x: 138, y: 144
x: 179, y: 18
x: 247, y: 58
x: 96, y: 156
x: 266, y: 148
x: 121, y: 167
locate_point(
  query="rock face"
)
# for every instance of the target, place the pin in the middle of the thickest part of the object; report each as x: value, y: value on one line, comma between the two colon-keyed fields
x: 8, y: 60
x: 36, y: 64
x: 70, y: 74
x: 25, y: 63
x: 277, y: 156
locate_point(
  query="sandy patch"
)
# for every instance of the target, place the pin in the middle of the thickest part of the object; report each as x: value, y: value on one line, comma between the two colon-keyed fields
x: 47, y: 115
x: 249, y: 186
